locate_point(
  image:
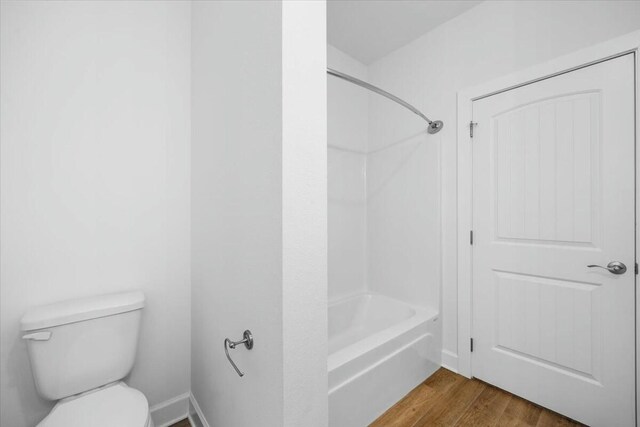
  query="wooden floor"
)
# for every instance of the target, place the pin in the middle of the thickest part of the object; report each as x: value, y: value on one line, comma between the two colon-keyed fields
x: 448, y: 399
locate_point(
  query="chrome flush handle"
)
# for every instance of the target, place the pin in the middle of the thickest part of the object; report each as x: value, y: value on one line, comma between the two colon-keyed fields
x: 615, y: 267
x: 228, y: 344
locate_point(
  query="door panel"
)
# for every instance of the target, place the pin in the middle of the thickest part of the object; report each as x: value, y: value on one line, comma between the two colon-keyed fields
x: 553, y: 192
x: 571, y: 342
x: 545, y: 171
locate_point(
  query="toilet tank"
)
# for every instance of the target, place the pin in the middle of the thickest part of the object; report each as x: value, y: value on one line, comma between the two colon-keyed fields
x: 78, y: 345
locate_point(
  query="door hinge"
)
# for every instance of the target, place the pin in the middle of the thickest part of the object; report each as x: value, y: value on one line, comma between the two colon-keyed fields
x: 636, y: 268
x: 471, y: 125
x: 471, y: 237
x: 471, y: 345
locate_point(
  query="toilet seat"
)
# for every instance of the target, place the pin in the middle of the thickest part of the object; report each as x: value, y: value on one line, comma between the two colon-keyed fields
x: 115, y: 405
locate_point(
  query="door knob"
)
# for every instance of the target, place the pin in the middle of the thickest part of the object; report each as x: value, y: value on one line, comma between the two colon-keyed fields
x: 615, y: 267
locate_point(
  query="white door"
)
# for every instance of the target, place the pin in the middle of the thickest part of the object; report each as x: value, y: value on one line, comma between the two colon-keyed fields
x: 553, y: 192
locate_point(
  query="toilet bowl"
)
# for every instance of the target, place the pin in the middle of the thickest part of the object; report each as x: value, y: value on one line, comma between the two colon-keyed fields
x: 80, y: 351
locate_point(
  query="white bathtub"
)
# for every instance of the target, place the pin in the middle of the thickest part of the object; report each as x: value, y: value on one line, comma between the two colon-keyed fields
x: 379, y: 350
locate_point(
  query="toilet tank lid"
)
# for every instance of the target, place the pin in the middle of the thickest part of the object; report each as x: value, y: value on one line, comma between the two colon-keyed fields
x: 76, y: 310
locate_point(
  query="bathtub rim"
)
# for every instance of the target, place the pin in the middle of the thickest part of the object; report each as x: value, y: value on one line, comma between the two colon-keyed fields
x: 378, y: 339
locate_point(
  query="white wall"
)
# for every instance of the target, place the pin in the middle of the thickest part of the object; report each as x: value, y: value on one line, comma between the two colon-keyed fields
x: 304, y: 213
x: 259, y: 211
x: 488, y: 41
x: 95, y: 178
x: 237, y: 210
x: 348, y: 124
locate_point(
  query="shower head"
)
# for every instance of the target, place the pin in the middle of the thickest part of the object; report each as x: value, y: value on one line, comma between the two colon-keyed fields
x: 435, y: 127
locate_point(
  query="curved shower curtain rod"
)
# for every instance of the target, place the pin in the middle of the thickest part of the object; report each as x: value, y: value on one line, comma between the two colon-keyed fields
x: 434, y: 126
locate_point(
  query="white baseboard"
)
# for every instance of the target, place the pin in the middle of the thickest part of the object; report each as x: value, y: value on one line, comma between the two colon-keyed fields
x: 176, y: 409
x: 196, y: 417
x: 170, y: 411
x: 450, y: 361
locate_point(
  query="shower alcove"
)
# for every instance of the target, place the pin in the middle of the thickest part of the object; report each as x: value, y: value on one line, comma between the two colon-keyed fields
x: 384, y: 245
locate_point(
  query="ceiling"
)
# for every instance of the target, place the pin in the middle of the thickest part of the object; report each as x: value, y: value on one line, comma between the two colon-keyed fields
x: 368, y: 30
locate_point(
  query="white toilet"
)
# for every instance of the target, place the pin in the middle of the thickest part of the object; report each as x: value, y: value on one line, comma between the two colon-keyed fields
x: 80, y: 350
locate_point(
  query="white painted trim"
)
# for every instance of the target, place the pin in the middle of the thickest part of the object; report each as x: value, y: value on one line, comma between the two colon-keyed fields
x: 637, y: 125
x: 625, y: 44
x: 464, y: 227
x: 450, y: 361
x: 170, y: 411
x: 202, y: 421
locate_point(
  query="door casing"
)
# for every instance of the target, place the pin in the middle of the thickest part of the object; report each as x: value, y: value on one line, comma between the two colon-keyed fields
x: 592, y: 55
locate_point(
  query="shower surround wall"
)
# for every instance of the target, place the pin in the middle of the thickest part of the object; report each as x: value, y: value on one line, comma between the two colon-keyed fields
x: 403, y: 208
x: 347, y: 126
x: 384, y: 195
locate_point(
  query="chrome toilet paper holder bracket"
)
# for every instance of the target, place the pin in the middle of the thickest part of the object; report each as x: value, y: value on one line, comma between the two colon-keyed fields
x: 228, y: 344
